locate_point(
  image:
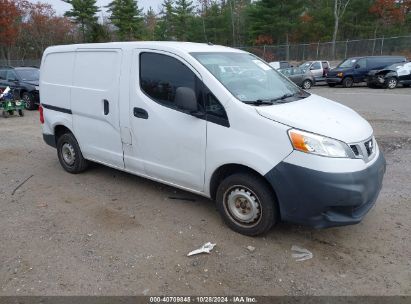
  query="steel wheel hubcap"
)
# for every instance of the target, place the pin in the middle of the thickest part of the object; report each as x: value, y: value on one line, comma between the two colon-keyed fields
x: 306, y: 85
x: 242, y: 205
x: 69, y: 156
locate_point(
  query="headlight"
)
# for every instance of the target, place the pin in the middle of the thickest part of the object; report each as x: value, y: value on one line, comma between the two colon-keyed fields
x: 340, y: 74
x: 317, y: 144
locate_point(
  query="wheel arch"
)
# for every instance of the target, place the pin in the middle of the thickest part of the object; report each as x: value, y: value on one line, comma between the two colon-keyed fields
x: 228, y: 169
x: 59, y: 130
x: 22, y: 91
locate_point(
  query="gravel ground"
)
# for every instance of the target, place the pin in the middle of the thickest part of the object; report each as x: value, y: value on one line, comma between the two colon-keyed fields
x: 105, y: 232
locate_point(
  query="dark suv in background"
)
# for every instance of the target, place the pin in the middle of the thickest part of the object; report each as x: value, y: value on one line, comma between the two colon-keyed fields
x: 25, y: 79
x: 356, y: 69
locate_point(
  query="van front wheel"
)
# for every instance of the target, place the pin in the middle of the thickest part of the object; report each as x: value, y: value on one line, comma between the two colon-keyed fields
x: 69, y: 154
x: 347, y: 82
x: 247, y: 204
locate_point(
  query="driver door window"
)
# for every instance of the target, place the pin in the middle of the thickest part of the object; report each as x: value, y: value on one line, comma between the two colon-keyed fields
x: 316, y: 66
x: 161, y: 76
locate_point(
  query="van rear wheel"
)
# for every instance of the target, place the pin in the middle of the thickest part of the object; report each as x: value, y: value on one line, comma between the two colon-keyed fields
x: 69, y: 154
x: 247, y: 204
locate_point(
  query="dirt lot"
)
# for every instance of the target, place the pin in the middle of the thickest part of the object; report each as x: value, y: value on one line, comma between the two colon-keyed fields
x: 107, y: 232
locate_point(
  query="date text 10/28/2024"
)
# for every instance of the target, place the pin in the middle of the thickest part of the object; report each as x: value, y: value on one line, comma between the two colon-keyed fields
x: 203, y: 299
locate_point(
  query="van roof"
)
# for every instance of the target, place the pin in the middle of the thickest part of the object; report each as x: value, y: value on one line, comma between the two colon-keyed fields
x: 185, y: 47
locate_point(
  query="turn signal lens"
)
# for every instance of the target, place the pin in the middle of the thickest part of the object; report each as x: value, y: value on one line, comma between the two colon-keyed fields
x: 298, y: 142
x: 317, y: 144
x: 340, y: 74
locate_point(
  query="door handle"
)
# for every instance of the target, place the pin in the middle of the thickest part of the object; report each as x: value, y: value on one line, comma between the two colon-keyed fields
x: 140, y: 113
x: 106, y: 107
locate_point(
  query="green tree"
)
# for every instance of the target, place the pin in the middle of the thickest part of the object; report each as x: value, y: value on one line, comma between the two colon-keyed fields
x: 183, y: 17
x: 83, y: 12
x: 150, y: 23
x: 126, y: 16
x: 99, y: 33
x: 275, y: 18
x: 165, y: 27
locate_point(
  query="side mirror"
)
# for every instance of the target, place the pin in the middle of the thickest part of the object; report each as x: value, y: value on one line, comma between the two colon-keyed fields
x: 357, y: 66
x: 186, y: 99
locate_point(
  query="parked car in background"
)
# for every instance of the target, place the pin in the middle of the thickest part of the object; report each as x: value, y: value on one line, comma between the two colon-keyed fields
x: 302, y: 78
x: 390, y: 76
x: 280, y: 64
x: 356, y: 69
x: 25, y: 79
x: 318, y: 68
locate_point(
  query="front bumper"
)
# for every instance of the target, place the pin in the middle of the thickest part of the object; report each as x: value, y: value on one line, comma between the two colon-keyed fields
x: 334, y: 80
x: 375, y: 80
x: 325, y: 199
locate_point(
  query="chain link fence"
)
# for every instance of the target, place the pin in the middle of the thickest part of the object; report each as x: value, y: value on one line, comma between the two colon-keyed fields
x: 400, y: 45
x: 343, y: 49
x: 22, y: 62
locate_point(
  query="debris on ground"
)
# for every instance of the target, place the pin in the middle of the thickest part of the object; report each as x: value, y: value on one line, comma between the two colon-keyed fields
x: 206, y: 248
x: 251, y: 248
x: 301, y: 254
x: 21, y: 184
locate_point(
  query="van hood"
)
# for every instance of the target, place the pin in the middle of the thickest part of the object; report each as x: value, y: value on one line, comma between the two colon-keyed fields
x: 321, y: 116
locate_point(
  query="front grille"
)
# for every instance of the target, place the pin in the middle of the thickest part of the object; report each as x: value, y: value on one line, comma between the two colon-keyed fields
x: 355, y: 150
x: 369, y: 146
x: 364, y: 150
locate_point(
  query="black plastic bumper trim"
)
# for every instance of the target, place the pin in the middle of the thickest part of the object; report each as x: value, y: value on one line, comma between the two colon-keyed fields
x: 58, y: 109
x: 50, y: 140
x: 323, y: 199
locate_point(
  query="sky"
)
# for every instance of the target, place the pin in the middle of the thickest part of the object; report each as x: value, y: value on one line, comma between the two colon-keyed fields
x: 61, y: 7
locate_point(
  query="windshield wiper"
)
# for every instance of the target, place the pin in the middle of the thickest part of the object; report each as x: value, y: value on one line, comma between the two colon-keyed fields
x: 282, y: 98
x: 277, y: 100
x: 259, y: 102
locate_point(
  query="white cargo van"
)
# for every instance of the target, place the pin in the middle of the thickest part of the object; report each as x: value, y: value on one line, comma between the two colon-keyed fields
x: 247, y: 137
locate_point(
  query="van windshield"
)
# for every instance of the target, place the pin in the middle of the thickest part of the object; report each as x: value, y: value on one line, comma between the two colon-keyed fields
x: 248, y: 78
x: 349, y: 63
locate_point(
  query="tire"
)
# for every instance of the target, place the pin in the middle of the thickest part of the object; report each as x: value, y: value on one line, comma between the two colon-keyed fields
x: 307, y: 84
x: 391, y: 83
x: 347, y: 82
x: 331, y: 85
x: 69, y: 154
x: 21, y: 113
x: 247, y: 204
x: 29, y: 100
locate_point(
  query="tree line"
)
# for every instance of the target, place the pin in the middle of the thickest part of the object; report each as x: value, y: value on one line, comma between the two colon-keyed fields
x: 26, y: 29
